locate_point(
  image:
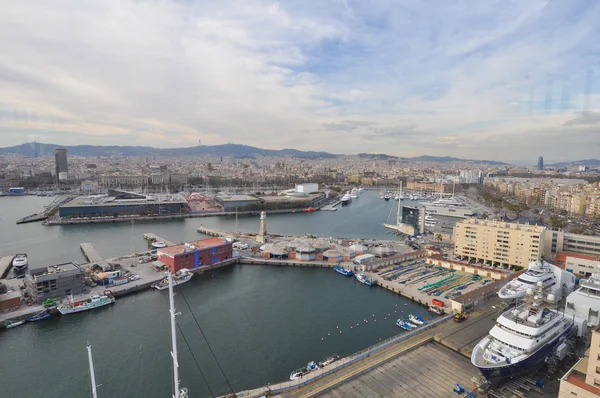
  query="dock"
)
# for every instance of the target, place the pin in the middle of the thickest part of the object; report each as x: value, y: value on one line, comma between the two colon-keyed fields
x: 90, y: 253
x: 210, y: 232
x: 150, y: 237
x: 5, y: 264
x: 32, y: 218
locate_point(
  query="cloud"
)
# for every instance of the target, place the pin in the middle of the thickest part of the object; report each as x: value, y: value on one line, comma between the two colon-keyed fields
x: 456, y: 78
x: 585, y: 117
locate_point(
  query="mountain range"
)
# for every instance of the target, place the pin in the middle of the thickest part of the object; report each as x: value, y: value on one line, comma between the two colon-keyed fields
x: 226, y: 150
x: 584, y: 162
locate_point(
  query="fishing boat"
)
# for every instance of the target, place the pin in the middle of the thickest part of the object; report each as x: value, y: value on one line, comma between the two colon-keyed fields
x: 417, y: 320
x: 328, y: 361
x: 404, y: 325
x: 13, y: 324
x: 94, y: 301
x: 362, y: 278
x: 310, y: 367
x: 180, y: 277
x: 309, y: 210
x: 343, y: 271
x: 39, y: 316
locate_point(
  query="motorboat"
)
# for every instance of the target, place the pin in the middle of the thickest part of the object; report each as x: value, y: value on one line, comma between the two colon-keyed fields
x: 180, y: 277
x: 309, y: 210
x: 39, y: 316
x: 354, y: 193
x: 416, y: 319
x: 13, y: 324
x: 524, y: 336
x: 404, y: 325
x: 554, y: 281
x: 310, y: 367
x: 343, y: 271
x: 387, y: 196
x: 328, y: 361
x: 158, y: 244
x: 20, y: 262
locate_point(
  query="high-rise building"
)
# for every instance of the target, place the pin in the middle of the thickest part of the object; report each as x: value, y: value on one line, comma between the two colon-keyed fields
x: 61, y: 165
x: 540, y: 163
x: 36, y: 149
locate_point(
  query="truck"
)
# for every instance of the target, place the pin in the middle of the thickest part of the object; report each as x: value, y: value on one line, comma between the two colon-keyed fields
x: 460, y: 316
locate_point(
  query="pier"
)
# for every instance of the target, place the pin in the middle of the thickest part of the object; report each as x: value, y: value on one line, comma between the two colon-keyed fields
x: 150, y: 237
x: 210, y: 232
x: 90, y: 253
x: 5, y: 264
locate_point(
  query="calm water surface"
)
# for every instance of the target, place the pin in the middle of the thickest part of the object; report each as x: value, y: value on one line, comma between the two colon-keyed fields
x: 262, y: 322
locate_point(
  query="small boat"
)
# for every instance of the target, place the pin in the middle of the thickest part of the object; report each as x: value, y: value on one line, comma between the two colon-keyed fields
x: 158, y: 245
x: 417, y: 320
x: 94, y: 301
x: 310, y: 367
x: 362, y: 278
x: 13, y: 324
x: 436, y: 310
x: 309, y: 210
x: 180, y: 277
x: 343, y: 271
x: 387, y: 197
x: 39, y: 317
x: 19, y: 263
x: 328, y: 361
x: 404, y: 325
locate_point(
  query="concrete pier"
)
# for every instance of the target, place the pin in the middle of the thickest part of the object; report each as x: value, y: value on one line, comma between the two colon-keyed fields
x: 90, y: 253
x: 210, y: 232
x: 5, y: 263
x: 155, y: 238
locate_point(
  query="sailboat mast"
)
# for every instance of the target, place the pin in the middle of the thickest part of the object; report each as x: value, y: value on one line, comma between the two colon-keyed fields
x: 398, y: 219
x: 92, y: 375
x: 173, y: 339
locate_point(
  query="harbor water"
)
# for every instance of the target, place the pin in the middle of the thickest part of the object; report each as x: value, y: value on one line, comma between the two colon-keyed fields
x: 261, y: 322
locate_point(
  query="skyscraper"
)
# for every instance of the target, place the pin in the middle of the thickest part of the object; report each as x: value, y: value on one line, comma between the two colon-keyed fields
x: 61, y: 165
x: 36, y: 149
x: 540, y: 164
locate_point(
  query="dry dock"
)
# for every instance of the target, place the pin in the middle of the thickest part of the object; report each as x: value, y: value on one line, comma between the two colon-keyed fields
x: 90, y: 253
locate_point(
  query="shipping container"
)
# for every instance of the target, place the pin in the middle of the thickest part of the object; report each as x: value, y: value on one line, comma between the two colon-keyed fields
x: 437, y: 302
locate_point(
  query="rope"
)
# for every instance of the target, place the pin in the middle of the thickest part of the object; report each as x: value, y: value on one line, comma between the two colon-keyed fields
x: 206, y: 340
x: 212, y: 394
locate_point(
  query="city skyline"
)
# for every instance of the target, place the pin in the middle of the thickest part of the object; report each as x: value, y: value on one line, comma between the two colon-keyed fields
x: 473, y: 81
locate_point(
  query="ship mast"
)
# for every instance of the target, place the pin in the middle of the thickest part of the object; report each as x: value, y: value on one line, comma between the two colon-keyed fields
x: 177, y: 392
x: 92, y: 375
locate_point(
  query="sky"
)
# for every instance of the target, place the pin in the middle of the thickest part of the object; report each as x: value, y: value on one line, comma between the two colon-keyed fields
x: 499, y: 80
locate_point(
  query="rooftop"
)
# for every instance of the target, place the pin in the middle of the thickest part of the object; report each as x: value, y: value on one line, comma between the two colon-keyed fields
x: 54, y: 269
x: 236, y: 198
x: 105, y: 200
x: 502, y: 224
x: 199, y: 244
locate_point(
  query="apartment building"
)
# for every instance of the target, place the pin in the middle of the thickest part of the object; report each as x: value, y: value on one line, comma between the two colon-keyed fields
x: 581, y: 244
x: 583, y: 379
x: 499, y: 243
x: 582, y: 265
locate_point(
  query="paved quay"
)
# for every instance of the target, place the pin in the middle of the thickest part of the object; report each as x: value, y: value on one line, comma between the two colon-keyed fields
x: 5, y: 263
x: 429, y: 370
x: 150, y: 237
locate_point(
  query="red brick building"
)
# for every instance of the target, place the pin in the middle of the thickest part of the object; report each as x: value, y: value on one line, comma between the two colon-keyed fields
x: 200, y: 253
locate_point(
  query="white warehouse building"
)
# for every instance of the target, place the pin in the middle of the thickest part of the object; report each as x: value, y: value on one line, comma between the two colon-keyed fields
x: 305, y: 189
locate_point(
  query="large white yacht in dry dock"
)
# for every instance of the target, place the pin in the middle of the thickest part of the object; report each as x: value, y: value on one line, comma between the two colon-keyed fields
x: 585, y: 301
x: 524, y: 336
x: 555, y: 281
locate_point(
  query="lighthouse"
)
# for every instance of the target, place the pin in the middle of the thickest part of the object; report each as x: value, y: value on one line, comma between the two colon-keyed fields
x: 262, y: 234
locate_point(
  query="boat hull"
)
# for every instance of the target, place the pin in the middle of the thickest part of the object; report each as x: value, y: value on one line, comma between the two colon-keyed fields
x: 177, y: 282
x: 343, y: 271
x: 81, y: 308
x: 496, y: 374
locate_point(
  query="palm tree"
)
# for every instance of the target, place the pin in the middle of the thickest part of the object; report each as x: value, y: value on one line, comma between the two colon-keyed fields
x: 439, y: 238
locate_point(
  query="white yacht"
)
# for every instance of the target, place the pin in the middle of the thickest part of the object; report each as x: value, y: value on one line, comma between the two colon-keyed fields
x: 20, y: 262
x: 523, y: 337
x: 555, y: 281
x: 158, y: 245
x: 585, y: 301
x: 180, y: 277
x: 354, y: 193
x: 346, y: 199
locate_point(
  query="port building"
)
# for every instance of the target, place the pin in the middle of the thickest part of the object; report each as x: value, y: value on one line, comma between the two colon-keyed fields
x: 195, y: 255
x: 583, y: 379
x: 54, y: 281
x: 582, y: 265
x: 232, y: 202
x: 123, y: 203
